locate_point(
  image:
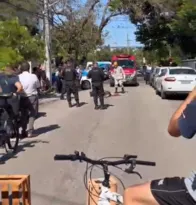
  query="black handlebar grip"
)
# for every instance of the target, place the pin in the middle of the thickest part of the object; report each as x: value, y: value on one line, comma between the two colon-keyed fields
x: 64, y: 157
x: 146, y: 163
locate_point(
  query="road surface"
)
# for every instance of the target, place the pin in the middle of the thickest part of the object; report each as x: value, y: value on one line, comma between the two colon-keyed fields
x: 134, y: 123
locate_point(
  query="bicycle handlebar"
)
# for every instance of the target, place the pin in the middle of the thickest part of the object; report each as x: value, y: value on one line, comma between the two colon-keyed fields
x: 127, y: 159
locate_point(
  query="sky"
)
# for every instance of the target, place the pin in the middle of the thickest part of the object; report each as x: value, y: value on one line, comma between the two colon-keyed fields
x: 119, y: 28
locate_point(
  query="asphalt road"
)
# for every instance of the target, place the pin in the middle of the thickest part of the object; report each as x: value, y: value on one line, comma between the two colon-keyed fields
x: 134, y: 123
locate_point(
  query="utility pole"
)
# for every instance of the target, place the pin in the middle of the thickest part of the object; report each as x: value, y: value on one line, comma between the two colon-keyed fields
x: 47, y: 39
x: 128, y: 44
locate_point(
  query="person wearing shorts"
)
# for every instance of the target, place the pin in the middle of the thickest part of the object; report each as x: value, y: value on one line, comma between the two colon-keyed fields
x: 167, y: 191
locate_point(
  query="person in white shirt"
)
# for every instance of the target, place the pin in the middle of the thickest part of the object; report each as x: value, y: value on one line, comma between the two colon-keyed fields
x: 119, y: 77
x: 29, y: 99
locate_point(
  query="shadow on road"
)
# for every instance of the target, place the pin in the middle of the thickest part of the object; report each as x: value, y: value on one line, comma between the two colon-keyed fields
x: 107, y: 106
x: 177, y: 97
x: 21, y: 148
x: 46, y: 129
x: 81, y: 104
x: 41, y: 114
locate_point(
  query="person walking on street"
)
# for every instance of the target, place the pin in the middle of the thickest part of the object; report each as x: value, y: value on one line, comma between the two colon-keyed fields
x: 70, y: 77
x: 61, y: 73
x: 97, y: 77
x: 119, y: 77
x: 29, y: 99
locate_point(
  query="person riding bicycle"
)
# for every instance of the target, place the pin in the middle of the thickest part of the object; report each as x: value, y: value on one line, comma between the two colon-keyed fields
x: 9, y: 83
x: 175, y: 190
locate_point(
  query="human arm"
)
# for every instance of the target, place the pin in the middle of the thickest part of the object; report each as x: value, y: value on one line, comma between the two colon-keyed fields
x: 89, y: 75
x: 19, y: 87
x: 173, y: 127
x: 16, y: 83
x: 102, y: 74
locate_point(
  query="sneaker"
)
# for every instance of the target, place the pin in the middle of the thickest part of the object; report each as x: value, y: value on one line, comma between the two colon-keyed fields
x: 102, y: 107
x: 77, y: 104
x: 96, y: 107
x: 70, y: 105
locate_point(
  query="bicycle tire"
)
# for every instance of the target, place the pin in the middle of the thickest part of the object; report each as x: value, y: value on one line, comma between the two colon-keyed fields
x: 15, y: 134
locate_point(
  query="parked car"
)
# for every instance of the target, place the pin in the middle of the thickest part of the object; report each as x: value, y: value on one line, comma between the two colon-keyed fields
x: 84, y: 81
x: 151, y: 76
x: 154, y: 75
x: 175, y: 80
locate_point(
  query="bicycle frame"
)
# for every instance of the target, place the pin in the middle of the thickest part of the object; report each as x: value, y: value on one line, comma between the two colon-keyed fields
x: 106, y: 196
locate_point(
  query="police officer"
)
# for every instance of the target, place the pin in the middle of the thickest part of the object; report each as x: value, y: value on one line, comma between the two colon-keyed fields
x: 97, y: 76
x: 70, y: 78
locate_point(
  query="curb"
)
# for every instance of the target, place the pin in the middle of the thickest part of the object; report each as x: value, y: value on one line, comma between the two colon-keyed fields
x: 45, y: 101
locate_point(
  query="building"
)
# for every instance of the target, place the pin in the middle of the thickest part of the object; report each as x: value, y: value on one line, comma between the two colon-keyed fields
x: 189, y: 63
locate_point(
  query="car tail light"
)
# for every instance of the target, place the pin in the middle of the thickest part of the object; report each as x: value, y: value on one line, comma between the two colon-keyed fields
x: 170, y: 79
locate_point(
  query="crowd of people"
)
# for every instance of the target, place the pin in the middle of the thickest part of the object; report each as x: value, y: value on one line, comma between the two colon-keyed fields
x: 71, y: 76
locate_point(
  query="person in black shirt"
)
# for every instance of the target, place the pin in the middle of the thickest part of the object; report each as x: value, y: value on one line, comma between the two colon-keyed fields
x: 97, y: 77
x: 70, y: 78
x: 9, y: 83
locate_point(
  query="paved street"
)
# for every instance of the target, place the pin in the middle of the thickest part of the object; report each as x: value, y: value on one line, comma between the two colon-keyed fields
x: 134, y: 123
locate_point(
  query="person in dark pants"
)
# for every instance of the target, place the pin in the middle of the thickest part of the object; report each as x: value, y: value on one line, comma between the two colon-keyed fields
x: 61, y: 77
x: 70, y: 78
x: 29, y: 99
x: 97, y: 76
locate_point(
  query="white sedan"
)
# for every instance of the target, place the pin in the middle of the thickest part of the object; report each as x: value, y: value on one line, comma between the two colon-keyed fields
x: 175, y: 80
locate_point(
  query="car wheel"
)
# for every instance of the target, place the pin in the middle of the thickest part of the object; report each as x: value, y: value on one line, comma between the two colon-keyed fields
x: 157, y: 92
x: 163, y: 95
x: 86, y: 85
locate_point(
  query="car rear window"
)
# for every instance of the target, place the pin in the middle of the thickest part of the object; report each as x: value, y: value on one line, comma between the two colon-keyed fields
x: 157, y: 70
x: 181, y: 71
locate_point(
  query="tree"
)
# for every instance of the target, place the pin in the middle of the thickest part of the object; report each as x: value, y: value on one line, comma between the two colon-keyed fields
x: 77, y: 31
x: 184, y: 27
x: 161, y: 24
x: 27, y: 11
x: 16, y: 43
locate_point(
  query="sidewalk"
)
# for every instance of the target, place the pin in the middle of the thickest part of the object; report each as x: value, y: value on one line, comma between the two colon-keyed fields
x: 49, y: 98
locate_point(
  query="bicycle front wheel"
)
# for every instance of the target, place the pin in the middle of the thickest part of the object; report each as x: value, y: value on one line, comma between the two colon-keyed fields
x: 12, y: 141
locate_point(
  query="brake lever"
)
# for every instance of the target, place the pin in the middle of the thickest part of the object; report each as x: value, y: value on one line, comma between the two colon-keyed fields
x: 133, y: 172
x: 131, y: 168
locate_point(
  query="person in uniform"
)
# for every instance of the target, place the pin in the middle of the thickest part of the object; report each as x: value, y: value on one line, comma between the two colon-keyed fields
x: 119, y: 77
x: 97, y: 77
x: 61, y: 73
x: 70, y: 77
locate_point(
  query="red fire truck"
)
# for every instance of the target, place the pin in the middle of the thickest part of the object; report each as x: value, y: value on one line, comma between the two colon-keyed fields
x: 128, y: 63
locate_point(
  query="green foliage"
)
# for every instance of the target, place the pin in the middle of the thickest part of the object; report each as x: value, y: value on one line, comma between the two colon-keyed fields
x: 163, y: 24
x: 8, y: 56
x: 25, y: 10
x: 16, y: 43
x: 76, y: 40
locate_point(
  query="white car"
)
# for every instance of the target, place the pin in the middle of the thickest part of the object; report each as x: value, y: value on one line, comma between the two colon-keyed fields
x: 175, y: 80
